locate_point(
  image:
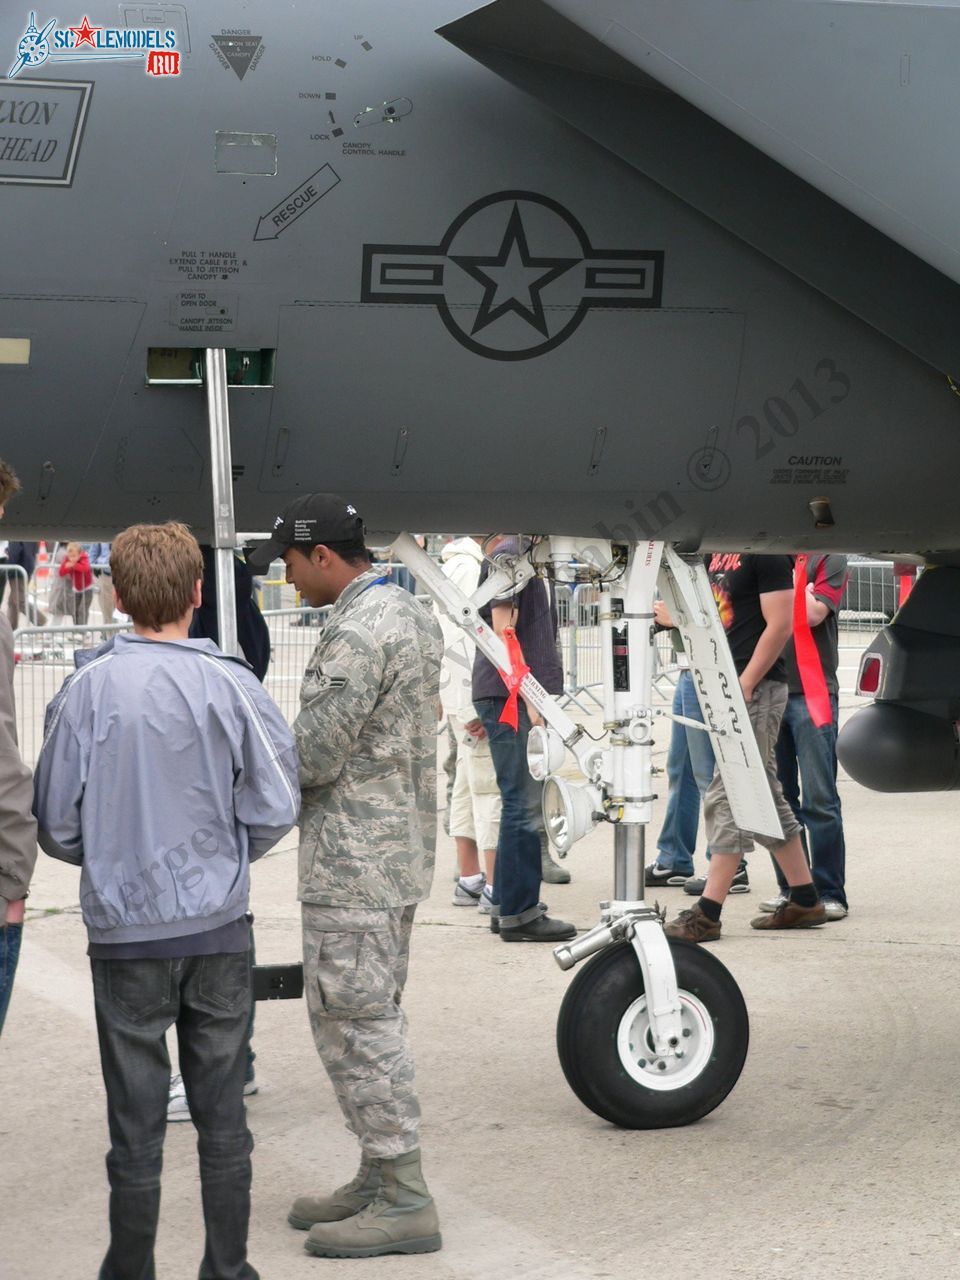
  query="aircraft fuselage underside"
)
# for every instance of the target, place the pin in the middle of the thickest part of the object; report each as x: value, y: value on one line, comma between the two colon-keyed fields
x: 436, y: 296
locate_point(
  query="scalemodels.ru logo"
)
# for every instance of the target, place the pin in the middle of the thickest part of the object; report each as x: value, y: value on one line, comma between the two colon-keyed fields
x: 85, y: 43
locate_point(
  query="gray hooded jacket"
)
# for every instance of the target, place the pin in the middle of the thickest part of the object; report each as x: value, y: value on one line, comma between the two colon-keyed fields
x: 165, y: 770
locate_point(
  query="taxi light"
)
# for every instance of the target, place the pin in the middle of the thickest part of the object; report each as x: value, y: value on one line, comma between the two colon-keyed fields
x: 545, y: 752
x: 868, y: 681
x: 569, y: 812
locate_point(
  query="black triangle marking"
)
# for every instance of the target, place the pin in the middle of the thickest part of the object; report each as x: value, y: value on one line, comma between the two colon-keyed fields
x: 238, y: 51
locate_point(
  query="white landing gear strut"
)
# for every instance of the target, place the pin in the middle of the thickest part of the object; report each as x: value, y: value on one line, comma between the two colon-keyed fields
x: 221, y: 472
x: 651, y: 1033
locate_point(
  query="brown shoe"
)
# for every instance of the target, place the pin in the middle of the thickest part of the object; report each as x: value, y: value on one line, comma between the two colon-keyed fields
x: 693, y: 926
x: 790, y: 915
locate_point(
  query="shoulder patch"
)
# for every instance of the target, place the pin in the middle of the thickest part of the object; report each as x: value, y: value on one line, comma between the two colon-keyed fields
x: 322, y: 682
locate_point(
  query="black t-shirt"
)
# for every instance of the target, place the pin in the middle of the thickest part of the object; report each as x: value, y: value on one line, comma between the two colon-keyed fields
x: 536, y: 628
x: 739, y: 579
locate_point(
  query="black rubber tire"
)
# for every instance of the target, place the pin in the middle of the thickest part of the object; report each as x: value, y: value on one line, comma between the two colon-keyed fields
x: 587, y: 1028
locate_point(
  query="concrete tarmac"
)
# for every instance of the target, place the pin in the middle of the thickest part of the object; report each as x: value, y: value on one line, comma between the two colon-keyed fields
x: 835, y: 1155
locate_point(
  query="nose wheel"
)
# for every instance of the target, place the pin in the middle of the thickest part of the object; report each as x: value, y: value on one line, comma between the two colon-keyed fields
x: 606, y: 1047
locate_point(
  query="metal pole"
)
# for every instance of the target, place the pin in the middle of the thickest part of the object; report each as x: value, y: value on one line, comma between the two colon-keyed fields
x: 571, y: 687
x: 221, y: 475
x: 628, y: 856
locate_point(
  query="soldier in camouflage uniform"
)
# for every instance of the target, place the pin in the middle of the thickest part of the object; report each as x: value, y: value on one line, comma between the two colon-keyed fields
x: 366, y: 734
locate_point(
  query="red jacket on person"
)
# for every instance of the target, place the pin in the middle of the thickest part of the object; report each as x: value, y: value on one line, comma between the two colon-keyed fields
x: 80, y: 571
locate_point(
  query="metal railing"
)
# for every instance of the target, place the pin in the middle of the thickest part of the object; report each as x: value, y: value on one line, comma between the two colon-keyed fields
x: 871, y: 595
x: 8, y: 571
x: 14, y: 583
x: 293, y: 636
x: 45, y: 657
x: 578, y: 613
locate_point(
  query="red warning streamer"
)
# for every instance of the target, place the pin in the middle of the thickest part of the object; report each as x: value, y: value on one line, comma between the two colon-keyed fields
x: 906, y: 575
x: 808, y: 659
x: 512, y: 679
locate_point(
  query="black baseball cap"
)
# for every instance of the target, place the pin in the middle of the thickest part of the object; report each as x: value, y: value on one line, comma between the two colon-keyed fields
x: 316, y: 517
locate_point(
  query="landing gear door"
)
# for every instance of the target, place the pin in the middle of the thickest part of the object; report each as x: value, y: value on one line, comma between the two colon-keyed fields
x: 686, y: 591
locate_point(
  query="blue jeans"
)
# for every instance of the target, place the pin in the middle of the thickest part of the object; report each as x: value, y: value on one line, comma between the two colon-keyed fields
x: 10, y: 935
x: 689, y: 772
x: 208, y: 997
x: 807, y: 769
x: 516, y: 888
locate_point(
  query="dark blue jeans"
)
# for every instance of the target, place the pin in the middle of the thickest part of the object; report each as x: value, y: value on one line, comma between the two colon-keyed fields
x: 208, y: 997
x: 10, y: 935
x: 690, y: 767
x: 807, y: 769
x: 516, y: 888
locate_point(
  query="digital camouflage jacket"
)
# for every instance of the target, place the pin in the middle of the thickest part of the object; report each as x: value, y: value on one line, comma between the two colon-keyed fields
x: 366, y: 734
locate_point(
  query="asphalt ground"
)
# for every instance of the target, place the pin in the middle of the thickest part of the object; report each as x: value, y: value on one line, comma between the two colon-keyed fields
x: 834, y: 1156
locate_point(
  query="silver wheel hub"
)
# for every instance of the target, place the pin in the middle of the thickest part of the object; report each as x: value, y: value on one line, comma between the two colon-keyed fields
x: 639, y: 1058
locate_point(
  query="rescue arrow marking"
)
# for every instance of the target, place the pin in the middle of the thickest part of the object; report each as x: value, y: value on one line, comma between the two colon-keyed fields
x: 309, y: 193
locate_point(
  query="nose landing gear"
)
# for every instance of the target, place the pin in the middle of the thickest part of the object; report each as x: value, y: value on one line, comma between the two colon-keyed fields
x: 652, y: 1032
x: 606, y: 1046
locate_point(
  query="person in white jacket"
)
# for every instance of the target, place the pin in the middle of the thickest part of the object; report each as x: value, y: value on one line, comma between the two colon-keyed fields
x: 475, y: 801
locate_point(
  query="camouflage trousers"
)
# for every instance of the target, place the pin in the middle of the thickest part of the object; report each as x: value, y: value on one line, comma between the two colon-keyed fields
x: 354, y: 968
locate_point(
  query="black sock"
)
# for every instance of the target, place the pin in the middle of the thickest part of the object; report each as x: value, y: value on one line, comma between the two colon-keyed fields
x: 804, y: 895
x: 710, y: 908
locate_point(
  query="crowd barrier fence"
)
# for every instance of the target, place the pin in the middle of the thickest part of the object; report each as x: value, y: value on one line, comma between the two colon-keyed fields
x: 871, y: 595
x: 45, y: 657
x: 15, y: 573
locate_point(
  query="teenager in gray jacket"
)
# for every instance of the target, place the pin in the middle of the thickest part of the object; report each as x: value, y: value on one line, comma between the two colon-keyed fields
x: 165, y: 770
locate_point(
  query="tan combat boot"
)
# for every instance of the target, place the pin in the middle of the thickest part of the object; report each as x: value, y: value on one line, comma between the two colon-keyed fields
x: 402, y: 1218
x: 342, y: 1203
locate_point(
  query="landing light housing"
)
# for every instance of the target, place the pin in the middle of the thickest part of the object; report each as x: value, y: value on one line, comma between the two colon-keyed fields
x: 545, y: 752
x: 569, y: 812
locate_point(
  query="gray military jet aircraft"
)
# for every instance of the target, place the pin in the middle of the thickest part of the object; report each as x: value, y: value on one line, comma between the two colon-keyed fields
x: 622, y: 270
x: 575, y: 296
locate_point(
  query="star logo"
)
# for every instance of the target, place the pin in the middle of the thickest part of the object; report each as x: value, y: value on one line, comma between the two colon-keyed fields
x: 513, y: 276
x: 85, y: 33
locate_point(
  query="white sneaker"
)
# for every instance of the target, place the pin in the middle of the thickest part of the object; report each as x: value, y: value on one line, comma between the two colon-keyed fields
x: 835, y: 910
x: 485, y: 905
x: 774, y: 904
x: 177, y: 1109
x: 464, y: 895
